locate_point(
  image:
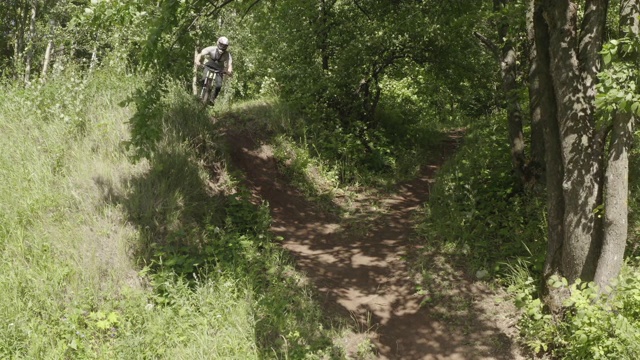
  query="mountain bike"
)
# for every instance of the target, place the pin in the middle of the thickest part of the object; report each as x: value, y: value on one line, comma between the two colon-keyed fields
x: 208, y: 85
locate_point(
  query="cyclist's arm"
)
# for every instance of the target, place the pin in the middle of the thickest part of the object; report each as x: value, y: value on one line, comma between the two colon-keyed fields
x: 204, y: 52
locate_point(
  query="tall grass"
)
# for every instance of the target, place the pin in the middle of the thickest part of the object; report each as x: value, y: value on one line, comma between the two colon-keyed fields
x: 163, y: 257
x: 61, y: 251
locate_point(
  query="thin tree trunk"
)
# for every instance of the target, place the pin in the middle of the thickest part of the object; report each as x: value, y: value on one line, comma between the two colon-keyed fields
x: 508, y: 71
x: 18, y: 49
x: 324, y: 34
x: 196, y: 60
x: 536, y: 93
x: 31, y: 39
x: 194, y: 82
x: 514, y: 111
x: 47, y: 58
x: 617, y: 175
x: 94, y: 58
x: 616, y: 209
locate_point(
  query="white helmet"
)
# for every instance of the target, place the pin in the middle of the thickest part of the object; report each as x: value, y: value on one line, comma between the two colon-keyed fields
x: 223, y: 43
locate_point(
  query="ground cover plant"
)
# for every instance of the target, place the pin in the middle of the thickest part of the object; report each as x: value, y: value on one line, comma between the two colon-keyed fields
x: 135, y: 259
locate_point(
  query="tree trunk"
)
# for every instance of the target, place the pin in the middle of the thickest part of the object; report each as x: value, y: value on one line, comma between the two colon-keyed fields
x: 553, y: 147
x: 616, y: 211
x: 508, y: 71
x: 617, y: 175
x: 324, y: 34
x: 47, y: 58
x: 514, y: 111
x: 536, y: 93
x: 194, y: 80
x: 580, y: 186
x: 591, y: 38
x: 30, y: 45
x: 94, y: 58
x: 18, y: 49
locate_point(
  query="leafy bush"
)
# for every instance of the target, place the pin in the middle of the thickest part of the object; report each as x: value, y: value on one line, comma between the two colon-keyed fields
x: 593, y: 326
x: 475, y: 204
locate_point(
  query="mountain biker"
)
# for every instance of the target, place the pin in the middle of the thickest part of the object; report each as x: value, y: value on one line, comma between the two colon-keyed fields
x: 219, y: 62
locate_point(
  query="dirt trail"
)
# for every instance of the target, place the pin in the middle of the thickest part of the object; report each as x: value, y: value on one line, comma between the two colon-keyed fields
x: 359, y: 266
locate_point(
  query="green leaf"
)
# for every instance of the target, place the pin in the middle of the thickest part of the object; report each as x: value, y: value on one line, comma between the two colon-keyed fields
x: 97, y: 315
x: 624, y: 106
x: 103, y: 324
x: 113, y: 317
x: 582, y: 338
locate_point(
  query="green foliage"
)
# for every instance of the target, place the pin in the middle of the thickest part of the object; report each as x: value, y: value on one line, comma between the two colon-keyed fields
x: 536, y: 326
x: 319, y: 157
x: 313, y: 177
x: 332, y: 58
x: 146, y: 124
x: 618, y: 87
x: 593, y: 326
x: 117, y: 29
x: 75, y: 216
x: 476, y: 206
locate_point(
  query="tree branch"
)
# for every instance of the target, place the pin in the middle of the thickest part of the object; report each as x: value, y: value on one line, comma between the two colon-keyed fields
x: 601, y: 137
x: 217, y: 7
x: 181, y: 30
x: 493, y: 48
x: 249, y: 9
x: 377, y: 70
x: 361, y: 9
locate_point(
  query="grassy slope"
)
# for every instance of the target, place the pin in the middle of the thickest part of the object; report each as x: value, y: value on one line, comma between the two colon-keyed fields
x: 90, y: 241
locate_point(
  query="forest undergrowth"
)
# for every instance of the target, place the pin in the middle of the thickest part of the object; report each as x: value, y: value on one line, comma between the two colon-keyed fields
x: 109, y: 254
x: 476, y: 209
x: 125, y: 234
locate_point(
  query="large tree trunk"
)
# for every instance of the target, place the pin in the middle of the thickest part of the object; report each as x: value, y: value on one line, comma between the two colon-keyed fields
x: 553, y: 148
x: 591, y: 245
x: 591, y: 38
x: 617, y: 175
x: 581, y: 186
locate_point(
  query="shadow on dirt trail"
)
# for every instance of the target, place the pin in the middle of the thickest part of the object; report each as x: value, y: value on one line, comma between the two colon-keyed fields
x: 360, y: 269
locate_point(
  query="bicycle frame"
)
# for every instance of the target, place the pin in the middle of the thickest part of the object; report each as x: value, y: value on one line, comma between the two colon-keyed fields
x: 205, y: 92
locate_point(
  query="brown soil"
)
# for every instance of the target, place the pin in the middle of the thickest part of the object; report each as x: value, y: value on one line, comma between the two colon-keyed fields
x: 360, y: 265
